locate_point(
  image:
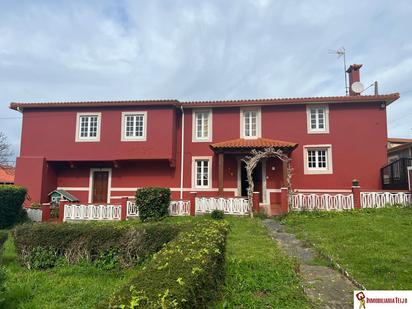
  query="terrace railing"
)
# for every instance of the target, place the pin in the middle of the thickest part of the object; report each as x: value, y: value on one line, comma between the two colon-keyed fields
x: 383, y: 199
x: 321, y: 201
x: 176, y: 208
x: 395, y: 174
x: 232, y: 206
x: 103, y: 212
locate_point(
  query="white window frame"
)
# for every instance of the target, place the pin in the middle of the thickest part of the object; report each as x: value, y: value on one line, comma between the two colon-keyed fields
x: 315, y: 170
x: 88, y: 139
x: 142, y: 138
x: 194, y: 182
x: 326, y: 115
x: 208, y: 138
x: 258, y: 122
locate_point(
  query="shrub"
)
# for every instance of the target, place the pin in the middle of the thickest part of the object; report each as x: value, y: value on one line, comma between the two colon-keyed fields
x: 11, y: 205
x: 42, y: 245
x: 3, y: 238
x: 2, y: 284
x: 153, y: 203
x: 217, y: 214
x: 186, y: 273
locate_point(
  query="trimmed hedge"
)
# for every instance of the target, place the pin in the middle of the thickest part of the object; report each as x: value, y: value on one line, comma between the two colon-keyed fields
x: 11, y: 205
x: 153, y: 203
x: 186, y: 273
x: 107, y: 245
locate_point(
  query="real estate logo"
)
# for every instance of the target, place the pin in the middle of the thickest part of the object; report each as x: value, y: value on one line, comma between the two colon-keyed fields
x: 382, y: 299
x: 361, y: 299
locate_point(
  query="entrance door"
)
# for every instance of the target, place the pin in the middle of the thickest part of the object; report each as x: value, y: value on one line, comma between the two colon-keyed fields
x: 257, y: 179
x: 100, y: 186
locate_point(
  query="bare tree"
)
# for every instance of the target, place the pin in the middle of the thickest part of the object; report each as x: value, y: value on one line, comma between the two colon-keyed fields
x: 5, y: 149
x: 253, y: 160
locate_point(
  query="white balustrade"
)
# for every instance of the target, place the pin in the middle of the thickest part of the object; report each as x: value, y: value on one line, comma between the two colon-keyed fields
x: 132, y: 209
x: 320, y: 201
x: 233, y: 206
x: 383, y: 199
x: 104, y: 212
x: 176, y: 208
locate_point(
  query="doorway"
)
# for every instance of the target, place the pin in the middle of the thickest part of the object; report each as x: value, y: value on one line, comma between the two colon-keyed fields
x: 100, y: 186
x: 257, y: 180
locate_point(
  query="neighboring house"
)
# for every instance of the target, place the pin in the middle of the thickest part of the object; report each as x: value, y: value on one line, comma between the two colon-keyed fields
x: 395, y: 173
x: 101, y: 151
x: 6, y: 175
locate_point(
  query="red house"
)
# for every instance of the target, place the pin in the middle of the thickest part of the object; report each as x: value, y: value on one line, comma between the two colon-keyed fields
x: 101, y: 151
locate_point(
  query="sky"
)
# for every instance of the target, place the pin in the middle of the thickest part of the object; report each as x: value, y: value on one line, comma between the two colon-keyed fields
x: 55, y: 50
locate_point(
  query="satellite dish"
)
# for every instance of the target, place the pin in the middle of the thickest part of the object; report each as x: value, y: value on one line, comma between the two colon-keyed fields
x: 357, y: 87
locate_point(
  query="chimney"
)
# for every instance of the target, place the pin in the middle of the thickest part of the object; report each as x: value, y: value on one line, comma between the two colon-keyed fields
x: 354, y: 76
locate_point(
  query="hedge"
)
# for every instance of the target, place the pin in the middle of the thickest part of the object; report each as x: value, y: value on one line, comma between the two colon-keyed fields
x: 186, y: 273
x: 11, y: 205
x: 107, y: 245
x: 3, y: 238
x: 153, y: 203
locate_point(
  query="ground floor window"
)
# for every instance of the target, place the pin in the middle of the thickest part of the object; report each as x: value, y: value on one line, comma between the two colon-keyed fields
x: 318, y: 159
x: 201, y: 172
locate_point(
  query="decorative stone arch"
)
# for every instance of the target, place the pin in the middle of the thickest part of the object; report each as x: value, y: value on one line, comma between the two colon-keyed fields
x: 255, y: 157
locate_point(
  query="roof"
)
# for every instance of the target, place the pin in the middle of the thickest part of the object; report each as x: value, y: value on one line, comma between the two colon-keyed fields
x: 386, y: 98
x: 242, y: 143
x: 66, y: 195
x: 7, y: 174
x: 397, y: 140
x: 400, y: 147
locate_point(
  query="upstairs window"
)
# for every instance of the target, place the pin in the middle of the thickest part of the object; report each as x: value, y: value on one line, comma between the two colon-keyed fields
x: 134, y: 126
x: 201, y: 172
x: 202, y: 126
x: 250, y: 123
x: 318, y: 119
x: 318, y: 159
x: 88, y: 127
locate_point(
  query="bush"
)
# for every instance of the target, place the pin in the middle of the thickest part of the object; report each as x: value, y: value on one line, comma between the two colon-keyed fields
x: 107, y: 245
x: 186, y: 273
x: 217, y: 214
x: 2, y: 284
x: 11, y: 205
x: 153, y: 203
x: 3, y: 238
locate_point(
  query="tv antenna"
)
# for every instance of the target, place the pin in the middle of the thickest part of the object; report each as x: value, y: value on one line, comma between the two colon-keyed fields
x: 341, y: 52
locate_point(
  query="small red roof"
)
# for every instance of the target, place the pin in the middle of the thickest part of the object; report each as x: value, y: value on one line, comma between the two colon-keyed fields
x: 252, y: 143
x: 7, y: 174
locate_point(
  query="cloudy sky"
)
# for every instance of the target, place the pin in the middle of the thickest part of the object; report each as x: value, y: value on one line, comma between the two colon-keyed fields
x: 107, y: 50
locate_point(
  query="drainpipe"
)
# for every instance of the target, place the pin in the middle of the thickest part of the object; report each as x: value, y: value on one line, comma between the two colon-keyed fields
x: 182, y: 152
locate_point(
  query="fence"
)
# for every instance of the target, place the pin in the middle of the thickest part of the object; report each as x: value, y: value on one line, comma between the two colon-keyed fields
x: 232, y: 206
x: 318, y: 201
x: 382, y: 199
x: 176, y: 208
x: 91, y: 212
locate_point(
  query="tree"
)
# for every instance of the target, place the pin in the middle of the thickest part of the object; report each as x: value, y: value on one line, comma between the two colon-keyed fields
x: 5, y: 151
x: 253, y: 160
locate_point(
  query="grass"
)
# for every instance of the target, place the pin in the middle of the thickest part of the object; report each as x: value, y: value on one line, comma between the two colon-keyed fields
x: 373, y: 245
x: 258, y: 275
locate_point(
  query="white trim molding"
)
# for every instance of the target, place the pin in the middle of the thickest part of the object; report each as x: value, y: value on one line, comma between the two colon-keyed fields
x: 258, y: 122
x: 209, y: 136
x: 210, y: 165
x: 74, y: 188
x: 316, y: 170
x: 325, y: 108
x: 123, y: 136
x: 109, y: 182
x: 88, y: 139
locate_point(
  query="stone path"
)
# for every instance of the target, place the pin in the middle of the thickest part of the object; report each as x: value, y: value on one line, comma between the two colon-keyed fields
x: 325, y: 287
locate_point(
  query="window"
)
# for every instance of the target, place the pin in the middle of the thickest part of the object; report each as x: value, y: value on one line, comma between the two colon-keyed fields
x: 88, y: 127
x: 318, y: 159
x: 250, y: 123
x: 202, y: 126
x: 318, y: 119
x: 134, y: 126
x: 201, y: 172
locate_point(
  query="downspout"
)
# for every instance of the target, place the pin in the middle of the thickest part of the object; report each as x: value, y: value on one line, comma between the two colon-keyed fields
x: 182, y: 152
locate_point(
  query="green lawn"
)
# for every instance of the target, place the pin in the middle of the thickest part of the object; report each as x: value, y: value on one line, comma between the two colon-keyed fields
x: 258, y: 275
x: 374, y: 245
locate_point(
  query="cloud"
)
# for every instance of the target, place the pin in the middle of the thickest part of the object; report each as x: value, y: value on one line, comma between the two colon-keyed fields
x: 92, y: 50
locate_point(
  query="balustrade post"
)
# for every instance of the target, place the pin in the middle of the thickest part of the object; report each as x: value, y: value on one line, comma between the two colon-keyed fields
x: 123, y: 208
x: 61, y: 210
x: 255, y: 201
x: 356, y: 194
x: 193, y: 203
x: 45, y: 213
x: 284, y: 201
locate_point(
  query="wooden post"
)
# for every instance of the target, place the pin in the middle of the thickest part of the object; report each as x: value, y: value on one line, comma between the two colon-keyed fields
x: 221, y: 173
x: 356, y: 194
x: 255, y: 201
x: 123, y: 213
x: 285, y: 173
x: 45, y: 213
x: 61, y: 210
x: 193, y: 203
x: 284, y: 201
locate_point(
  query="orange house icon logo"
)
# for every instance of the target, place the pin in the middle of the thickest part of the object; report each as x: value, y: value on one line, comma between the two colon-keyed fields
x: 361, y: 298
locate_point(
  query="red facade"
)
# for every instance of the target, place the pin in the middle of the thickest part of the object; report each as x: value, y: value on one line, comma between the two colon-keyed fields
x: 352, y: 146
